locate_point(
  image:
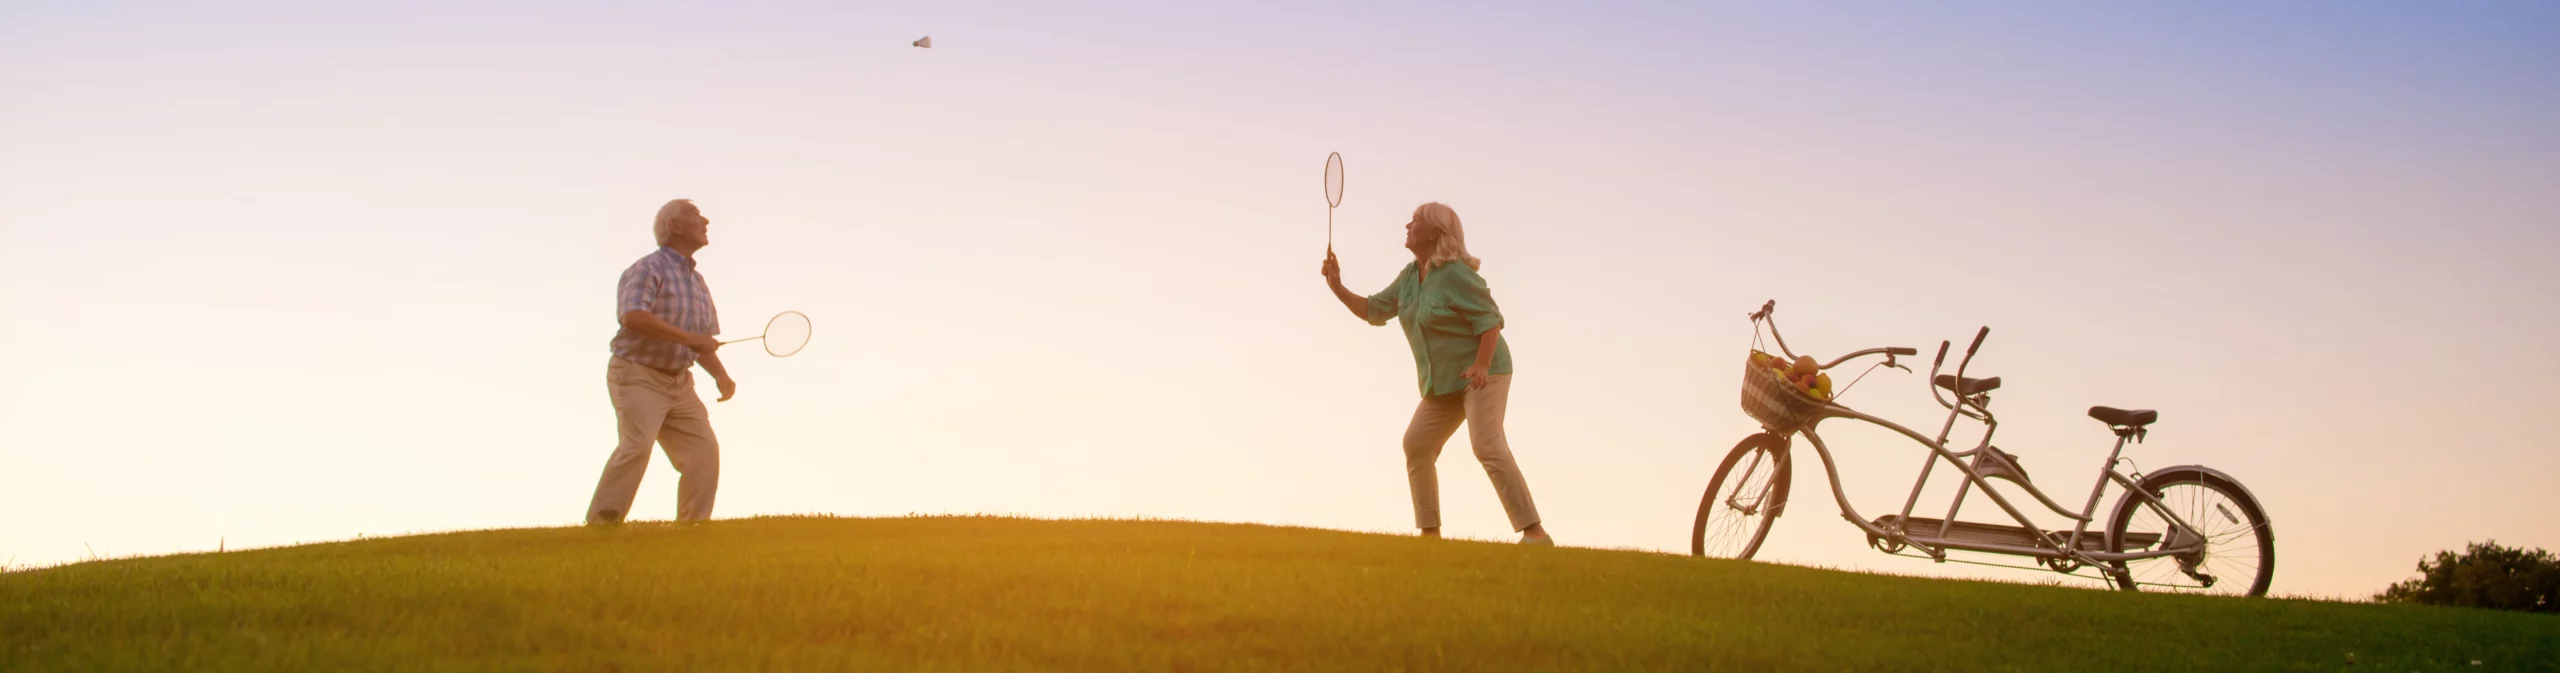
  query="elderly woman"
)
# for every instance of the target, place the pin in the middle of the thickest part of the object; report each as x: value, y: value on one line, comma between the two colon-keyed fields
x: 1464, y: 367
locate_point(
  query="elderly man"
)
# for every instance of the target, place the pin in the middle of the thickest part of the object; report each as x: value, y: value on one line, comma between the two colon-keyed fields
x: 667, y: 326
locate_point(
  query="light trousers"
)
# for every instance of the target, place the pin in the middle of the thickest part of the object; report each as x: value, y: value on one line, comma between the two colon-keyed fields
x: 1435, y: 420
x: 652, y: 406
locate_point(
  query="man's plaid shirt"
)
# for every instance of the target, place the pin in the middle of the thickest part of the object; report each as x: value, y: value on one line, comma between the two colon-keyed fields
x: 664, y: 284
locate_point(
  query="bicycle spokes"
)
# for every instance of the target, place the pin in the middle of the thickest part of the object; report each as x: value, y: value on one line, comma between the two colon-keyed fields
x: 2217, y: 541
x: 1748, y: 491
x: 1748, y: 501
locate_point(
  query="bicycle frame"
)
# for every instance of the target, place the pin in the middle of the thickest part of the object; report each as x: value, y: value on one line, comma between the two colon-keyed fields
x: 2054, y: 546
x: 1936, y: 545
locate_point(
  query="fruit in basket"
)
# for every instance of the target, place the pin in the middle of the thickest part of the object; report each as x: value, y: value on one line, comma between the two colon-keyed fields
x: 1805, y: 367
x: 1822, y: 384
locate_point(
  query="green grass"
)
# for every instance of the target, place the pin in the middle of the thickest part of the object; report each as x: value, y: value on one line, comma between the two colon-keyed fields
x: 983, y: 593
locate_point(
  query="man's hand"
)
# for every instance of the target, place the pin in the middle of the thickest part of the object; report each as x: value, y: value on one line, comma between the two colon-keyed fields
x: 1332, y: 270
x: 703, y: 344
x: 728, y: 388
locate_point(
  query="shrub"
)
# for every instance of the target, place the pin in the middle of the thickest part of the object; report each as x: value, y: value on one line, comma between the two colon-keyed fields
x: 2485, y: 576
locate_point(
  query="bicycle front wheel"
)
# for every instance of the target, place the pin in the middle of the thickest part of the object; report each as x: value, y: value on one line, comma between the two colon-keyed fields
x: 2233, y: 545
x: 1743, y: 500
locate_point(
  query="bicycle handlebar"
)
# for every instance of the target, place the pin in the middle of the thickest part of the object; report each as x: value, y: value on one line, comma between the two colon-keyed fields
x: 1968, y: 353
x: 1767, y: 312
x: 1768, y: 309
x: 1967, y: 362
x: 1941, y: 361
x: 1889, y: 351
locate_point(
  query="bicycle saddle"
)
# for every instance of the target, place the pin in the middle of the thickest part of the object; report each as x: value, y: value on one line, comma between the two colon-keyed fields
x: 2131, y: 418
x: 1968, y: 387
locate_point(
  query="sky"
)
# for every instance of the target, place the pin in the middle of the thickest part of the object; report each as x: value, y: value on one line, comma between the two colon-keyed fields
x: 283, y: 272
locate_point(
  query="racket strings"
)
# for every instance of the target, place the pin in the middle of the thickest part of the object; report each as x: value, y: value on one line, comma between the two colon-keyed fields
x: 786, y: 334
x: 1332, y: 194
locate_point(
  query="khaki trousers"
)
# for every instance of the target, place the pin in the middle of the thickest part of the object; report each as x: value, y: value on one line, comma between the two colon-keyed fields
x: 1435, y: 420
x: 655, y: 407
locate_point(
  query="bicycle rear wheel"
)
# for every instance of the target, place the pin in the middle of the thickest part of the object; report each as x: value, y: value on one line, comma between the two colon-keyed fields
x: 1743, y: 500
x: 2238, y: 557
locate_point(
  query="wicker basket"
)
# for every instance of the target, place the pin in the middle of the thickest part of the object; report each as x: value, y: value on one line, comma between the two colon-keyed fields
x: 1777, y: 404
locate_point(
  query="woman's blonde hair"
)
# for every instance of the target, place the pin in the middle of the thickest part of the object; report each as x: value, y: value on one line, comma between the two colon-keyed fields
x: 1453, y: 237
x: 665, y: 226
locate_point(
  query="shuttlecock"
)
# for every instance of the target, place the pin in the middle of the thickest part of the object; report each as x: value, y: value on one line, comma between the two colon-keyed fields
x: 926, y: 42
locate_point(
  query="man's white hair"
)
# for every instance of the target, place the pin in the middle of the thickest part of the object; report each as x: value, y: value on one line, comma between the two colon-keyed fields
x: 665, y: 226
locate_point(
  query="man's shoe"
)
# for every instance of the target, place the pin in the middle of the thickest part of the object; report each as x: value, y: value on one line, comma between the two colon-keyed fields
x: 1538, y: 540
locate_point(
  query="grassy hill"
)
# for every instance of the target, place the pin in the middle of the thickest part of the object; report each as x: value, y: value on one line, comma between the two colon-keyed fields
x: 983, y: 593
